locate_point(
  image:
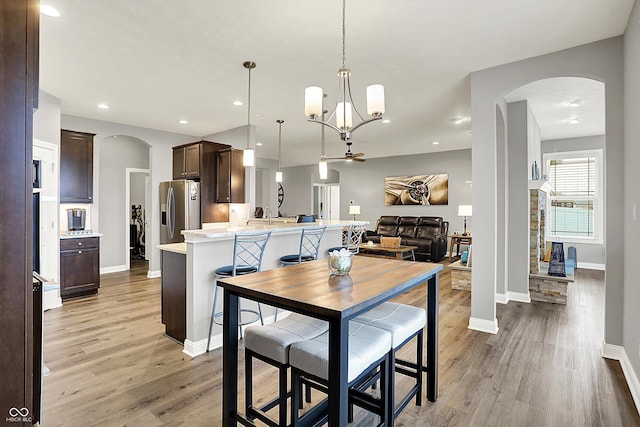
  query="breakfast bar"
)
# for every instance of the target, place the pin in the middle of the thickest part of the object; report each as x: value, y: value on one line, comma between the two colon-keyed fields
x: 309, y: 289
x: 212, y: 247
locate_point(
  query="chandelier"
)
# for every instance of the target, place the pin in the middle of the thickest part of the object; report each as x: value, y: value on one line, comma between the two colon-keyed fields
x: 345, y: 108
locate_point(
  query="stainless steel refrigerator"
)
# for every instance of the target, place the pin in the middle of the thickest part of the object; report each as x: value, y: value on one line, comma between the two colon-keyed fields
x: 179, y: 209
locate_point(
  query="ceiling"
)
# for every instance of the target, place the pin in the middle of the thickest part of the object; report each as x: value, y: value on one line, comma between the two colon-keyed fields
x: 155, y: 62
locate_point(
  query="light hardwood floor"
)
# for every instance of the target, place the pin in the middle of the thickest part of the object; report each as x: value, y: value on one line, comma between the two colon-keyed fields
x: 111, y: 366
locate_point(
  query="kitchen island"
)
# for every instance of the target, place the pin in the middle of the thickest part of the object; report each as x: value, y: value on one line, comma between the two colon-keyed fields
x: 212, y: 247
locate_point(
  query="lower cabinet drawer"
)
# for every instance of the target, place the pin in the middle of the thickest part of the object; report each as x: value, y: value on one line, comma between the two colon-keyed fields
x: 79, y: 272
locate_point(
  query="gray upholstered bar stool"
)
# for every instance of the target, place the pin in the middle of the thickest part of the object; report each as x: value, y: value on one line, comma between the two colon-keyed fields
x: 369, y: 352
x: 403, y: 322
x: 248, y: 249
x: 270, y: 344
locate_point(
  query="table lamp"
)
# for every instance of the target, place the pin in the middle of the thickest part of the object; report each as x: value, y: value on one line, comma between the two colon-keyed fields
x: 465, y: 211
x: 354, y: 210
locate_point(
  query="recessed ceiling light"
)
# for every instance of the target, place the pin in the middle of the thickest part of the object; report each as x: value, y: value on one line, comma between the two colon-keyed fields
x: 386, y: 121
x: 103, y: 106
x: 576, y: 102
x: 45, y: 9
x: 258, y: 115
x: 574, y: 120
x: 237, y: 103
x: 259, y: 144
x: 457, y: 120
x: 435, y: 143
x: 183, y: 122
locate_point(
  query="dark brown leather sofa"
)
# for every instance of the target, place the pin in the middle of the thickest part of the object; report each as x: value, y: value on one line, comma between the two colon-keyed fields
x: 428, y: 233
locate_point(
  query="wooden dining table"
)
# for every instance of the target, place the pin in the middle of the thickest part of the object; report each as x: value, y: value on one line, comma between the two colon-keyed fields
x: 309, y: 289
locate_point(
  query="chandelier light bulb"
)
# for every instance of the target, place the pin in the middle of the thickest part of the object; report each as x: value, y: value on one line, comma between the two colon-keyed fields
x: 375, y: 100
x: 344, y: 116
x: 313, y: 101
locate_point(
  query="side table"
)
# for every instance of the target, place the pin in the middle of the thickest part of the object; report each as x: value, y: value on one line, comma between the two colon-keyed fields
x: 458, y: 239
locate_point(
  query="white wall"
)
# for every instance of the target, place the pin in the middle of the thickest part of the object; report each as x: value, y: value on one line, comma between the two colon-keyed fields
x: 587, y: 252
x: 160, y: 167
x: 115, y: 155
x: 631, y: 290
x: 46, y: 119
x: 601, y: 61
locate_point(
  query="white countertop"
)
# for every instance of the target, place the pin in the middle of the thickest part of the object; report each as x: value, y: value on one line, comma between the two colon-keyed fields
x: 80, y: 236
x: 178, y: 248
x: 277, y: 227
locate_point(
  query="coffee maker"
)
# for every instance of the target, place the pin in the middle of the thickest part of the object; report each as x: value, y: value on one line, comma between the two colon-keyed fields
x: 76, y: 218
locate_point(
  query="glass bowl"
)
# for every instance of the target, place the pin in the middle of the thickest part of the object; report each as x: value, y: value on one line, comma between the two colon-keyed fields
x: 339, y: 265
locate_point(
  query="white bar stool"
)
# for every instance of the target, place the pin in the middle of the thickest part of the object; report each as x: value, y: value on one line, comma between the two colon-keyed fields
x: 403, y: 322
x: 270, y: 344
x: 369, y: 351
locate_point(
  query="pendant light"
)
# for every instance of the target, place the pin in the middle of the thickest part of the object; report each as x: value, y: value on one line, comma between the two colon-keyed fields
x: 279, y: 172
x: 248, y: 157
x: 345, y: 107
x: 322, y: 164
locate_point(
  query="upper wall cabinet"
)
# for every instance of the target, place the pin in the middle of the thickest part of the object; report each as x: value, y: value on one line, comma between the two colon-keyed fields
x: 76, y: 167
x: 230, y: 181
x: 188, y: 161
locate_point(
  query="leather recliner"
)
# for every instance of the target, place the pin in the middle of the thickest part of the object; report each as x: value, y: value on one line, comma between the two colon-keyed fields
x: 428, y: 233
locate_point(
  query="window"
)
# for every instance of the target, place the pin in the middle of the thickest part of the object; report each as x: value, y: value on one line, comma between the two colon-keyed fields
x: 574, y: 208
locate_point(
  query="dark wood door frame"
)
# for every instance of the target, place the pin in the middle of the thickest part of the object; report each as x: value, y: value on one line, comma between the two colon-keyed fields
x: 18, y: 97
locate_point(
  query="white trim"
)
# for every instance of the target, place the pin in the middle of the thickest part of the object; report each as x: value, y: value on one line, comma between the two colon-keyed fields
x: 616, y: 352
x: 598, y: 199
x: 199, y: 347
x: 502, y: 298
x: 154, y: 274
x: 482, y: 325
x: 520, y: 297
x: 127, y: 209
x: 113, y: 269
x: 591, y: 266
x: 193, y: 349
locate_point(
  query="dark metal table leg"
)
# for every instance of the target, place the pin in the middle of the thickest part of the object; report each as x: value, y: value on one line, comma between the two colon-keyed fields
x: 433, y: 290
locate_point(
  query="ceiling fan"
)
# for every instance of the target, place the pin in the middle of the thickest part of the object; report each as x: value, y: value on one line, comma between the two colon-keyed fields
x: 349, y: 156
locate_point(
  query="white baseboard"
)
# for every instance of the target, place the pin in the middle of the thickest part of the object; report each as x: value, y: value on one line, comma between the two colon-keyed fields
x: 154, y: 274
x: 113, y: 269
x: 617, y: 352
x: 502, y: 298
x: 488, y: 326
x: 591, y: 266
x: 197, y: 348
x: 520, y: 297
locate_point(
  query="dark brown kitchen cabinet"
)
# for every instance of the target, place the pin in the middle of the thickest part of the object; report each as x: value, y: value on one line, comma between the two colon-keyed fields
x: 230, y: 176
x: 174, y: 295
x: 76, y: 167
x: 188, y: 161
x: 79, y: 266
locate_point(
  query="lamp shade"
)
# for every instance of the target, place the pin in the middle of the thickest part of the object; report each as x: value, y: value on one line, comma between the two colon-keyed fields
x: 375, y: 99
x: 323, y: 169
x: 344, y: 116
x: 248, y: 157
x: 354, y: 210
x: 464, y: 210
x: 313, y: 101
